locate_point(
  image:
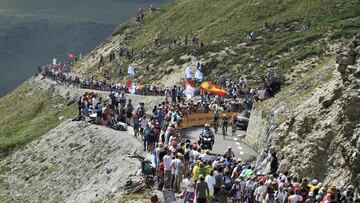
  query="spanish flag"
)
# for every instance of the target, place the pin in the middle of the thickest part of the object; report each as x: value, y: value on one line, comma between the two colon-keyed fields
x: 210, y: 87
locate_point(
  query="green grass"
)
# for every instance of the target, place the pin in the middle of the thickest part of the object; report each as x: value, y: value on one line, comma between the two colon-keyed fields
x: 26, y: 117
x: 228, y: 22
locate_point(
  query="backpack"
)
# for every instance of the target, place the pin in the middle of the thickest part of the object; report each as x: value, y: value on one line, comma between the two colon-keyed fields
x: 227, y: 183
x: 271, y: 198
x: 147, y: 168
x: 249, y: 190
x: 233, y: 191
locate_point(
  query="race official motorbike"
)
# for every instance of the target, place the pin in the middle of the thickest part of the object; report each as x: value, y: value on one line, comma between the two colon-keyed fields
x: 206, y: 140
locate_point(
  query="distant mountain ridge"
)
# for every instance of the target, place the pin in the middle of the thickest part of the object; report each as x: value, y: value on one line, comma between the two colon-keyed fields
x: 34, y: 32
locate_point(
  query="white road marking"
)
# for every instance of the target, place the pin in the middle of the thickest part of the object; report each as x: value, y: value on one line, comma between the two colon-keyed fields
x: 235, y: 138
x: 241, y: 153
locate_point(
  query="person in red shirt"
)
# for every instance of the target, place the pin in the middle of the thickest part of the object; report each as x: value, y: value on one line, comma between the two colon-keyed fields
x: 161, y: 175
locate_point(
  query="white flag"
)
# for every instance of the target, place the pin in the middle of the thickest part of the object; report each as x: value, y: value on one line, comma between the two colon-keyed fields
x: 188, y: 73
x: 54, y: 62
x: 131, y: 71
x: 189, y: 90
x: 198, y: 75
x: 132, y: 89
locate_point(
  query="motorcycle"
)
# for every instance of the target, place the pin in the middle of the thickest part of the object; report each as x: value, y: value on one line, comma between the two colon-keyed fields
x: 206, y: 142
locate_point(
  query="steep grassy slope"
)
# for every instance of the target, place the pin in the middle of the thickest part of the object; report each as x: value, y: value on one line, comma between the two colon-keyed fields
x: 226, y: 25
x: 29, y: 112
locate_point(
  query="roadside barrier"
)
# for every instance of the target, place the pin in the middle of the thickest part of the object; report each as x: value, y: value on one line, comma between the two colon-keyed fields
x: 200, y: 119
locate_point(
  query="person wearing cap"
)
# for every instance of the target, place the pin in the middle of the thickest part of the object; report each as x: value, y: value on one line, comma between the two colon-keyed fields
x: 202, y: 190
x: 235, y: 192
x: 318, y: 198
x: 313, y: 185
x: 310, y: 198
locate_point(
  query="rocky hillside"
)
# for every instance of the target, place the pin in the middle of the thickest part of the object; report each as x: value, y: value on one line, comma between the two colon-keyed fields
x: 75, y: 162
x: 313, y: 125
x: 44, y: 153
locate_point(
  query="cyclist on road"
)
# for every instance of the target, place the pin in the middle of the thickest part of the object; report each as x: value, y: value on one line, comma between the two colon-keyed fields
x: 224, y: 125
x: 216, y: 120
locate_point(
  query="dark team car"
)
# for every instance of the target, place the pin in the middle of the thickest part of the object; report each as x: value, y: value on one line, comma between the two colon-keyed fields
x: 242, y: 120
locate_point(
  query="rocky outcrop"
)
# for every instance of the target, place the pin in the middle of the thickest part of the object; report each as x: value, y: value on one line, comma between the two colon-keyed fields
x: 75, y: 162
x: 314, y: 126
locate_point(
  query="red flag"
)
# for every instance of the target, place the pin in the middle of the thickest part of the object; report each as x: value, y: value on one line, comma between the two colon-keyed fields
x: 72, y: 56
x: 128, y: 84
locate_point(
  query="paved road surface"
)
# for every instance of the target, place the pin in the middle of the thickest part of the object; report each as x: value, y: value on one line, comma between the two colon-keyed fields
x: 241, y: 150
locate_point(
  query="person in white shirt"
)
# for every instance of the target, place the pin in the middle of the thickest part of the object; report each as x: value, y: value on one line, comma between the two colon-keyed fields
x: 280, y: 195
x: 193, y: 154
x: 167, y: 169
x: 295, y: 196
x: 142, y: 126
x: 259, y: 192
x: 210, y: 180
x: 190, y: 189
x: 261, y: 94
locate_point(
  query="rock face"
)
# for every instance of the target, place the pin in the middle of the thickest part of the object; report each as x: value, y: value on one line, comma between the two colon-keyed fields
x: 75, y: 162
x: 314, y: 126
